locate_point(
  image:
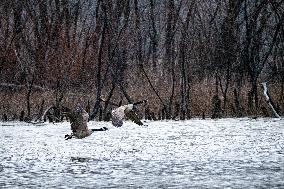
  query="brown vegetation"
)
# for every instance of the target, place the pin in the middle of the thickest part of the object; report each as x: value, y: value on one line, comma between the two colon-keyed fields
x: 176, y: 54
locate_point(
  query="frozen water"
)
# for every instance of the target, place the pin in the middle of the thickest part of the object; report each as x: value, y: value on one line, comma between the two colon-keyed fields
x: 236, y: 153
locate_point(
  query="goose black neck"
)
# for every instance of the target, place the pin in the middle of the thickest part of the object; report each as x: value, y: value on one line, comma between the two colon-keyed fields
x: 139, y: 102
x: 100, y: 129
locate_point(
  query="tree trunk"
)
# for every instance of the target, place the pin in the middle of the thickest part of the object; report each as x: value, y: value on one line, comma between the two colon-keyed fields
x: 269, y: 100
x: 98, y: 74
x: 153, y: 35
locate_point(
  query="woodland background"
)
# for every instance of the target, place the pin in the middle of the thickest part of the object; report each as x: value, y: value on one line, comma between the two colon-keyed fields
x: 188, y: 58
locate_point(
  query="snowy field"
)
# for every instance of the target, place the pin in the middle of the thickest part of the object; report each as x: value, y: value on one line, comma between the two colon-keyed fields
x: 234, y: 153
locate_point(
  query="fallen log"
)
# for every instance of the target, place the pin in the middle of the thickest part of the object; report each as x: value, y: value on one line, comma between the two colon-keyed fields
x: 18, y: 87
x: 45, y: 112
x: 268, y: 99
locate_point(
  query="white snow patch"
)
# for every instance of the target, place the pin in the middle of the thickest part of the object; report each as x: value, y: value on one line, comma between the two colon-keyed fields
x: 241, y: 153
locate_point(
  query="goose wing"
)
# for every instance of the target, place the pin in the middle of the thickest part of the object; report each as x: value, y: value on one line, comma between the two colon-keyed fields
x: 80, y: 120
x: 130, y: 114
x: 117, y: 116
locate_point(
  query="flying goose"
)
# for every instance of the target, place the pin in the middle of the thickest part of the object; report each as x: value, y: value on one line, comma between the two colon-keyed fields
x: 126, y: 112
x: 79, y: 127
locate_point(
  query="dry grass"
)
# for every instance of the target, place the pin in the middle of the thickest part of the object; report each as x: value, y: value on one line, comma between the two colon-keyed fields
x: 14, y: 101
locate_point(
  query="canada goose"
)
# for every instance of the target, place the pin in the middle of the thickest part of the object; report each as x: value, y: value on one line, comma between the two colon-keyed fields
x: 79, y: 119
x: 126, y: 112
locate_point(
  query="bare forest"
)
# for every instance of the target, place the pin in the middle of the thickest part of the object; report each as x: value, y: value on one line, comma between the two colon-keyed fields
x: 187, y: 58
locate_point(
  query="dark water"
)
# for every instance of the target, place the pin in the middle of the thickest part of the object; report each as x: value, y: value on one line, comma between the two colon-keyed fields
x: 227, y: 153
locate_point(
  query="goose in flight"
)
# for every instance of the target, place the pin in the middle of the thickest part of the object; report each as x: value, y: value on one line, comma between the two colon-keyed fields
x: 126, y: 112
x: 79, y: 119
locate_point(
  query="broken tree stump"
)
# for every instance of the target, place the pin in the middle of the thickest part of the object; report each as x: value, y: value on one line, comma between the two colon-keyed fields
x: 269, y: 100
x: 216, y: 107
x: 5, y: 117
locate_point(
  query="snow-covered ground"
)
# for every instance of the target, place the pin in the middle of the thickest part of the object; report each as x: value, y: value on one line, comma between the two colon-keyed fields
x: 236, y: 153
